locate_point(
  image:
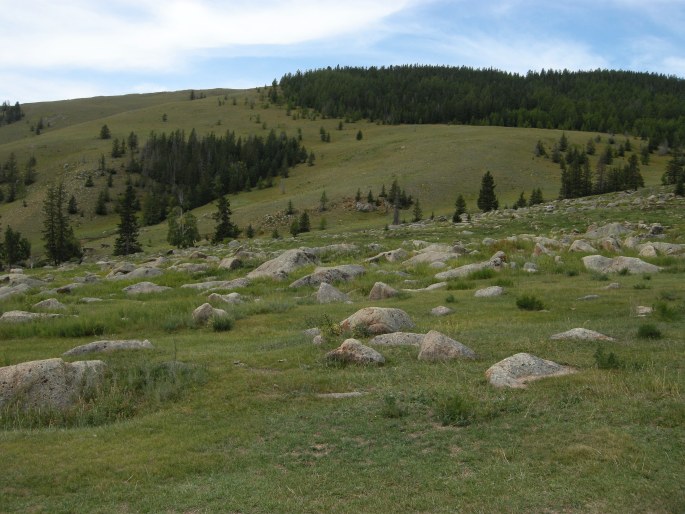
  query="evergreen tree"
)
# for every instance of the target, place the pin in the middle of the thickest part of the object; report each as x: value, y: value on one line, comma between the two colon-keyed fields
x: 323, y: 201
x: 105, y: 132
x: 674, y: 168
x: 460, y: 208
x: 60, y: 243
x: 358, y: 196
x: 101, y: 204
x: 89, y: 181
x: 563, y: 142
x: 540, y: 149
x: 521, y: 202
x: 360, y: 136
x: 14, y: 248
x: 30, y: 173
x: 418, y: 214
x: 249, y: 231
x: 127, y: 239
x: 294, y: 228
x: 487, y: 201
x: 369, y: 197
x: 290, y: 210
x: 679, y: 189
x: 72, y: 207
x: 225, y: 229
x: 304, y: 224
x: 536, y: 197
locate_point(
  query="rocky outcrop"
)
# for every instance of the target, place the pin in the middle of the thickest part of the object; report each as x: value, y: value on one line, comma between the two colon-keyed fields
x: 582, y: 246
x: 144, y: 288
x: 109, y: 346
x: 25, y: 317
x: 391, y: 256
x: 381, y: 291
x: 516, y: 371
x: 354, y: 352
x: 280, y: 267
x: 342, y: 273
x: 378, y: 320
x: 398, y: 339
x: 581, y: 334
x: 231, y: 263
x: 603, y: 264
x: 329, y: 294
x: 205, y: 312
x: 48, y: 384
x: 495, y: 262
x: 438, y: 347
x: 219, y: 284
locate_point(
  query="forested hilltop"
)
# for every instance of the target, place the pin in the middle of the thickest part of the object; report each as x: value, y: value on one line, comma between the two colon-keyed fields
x: 643, y: 104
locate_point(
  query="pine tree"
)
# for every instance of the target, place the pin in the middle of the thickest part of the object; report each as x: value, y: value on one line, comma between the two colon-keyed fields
x: 225, y: 229
x: 294, y: 228
x: 127, y: 240
x: 360, y: 136
x: 679, y: 189
x: 249, y: 231
x: 304, y: 225
x: 101, y: 204
x: 536, y: 197
x: 105, y: 132
x: 60, y: 243
x: 460, y: 208
x: 72, y: 207
x: 418, y: 214
x: 14, y: 248
x: 487, y: 201
x: 290, y: 210
x: 521, y: 202
x: 358, y: 196
x: 323, y: 201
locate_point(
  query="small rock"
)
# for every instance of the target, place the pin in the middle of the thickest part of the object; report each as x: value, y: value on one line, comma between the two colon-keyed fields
x: 530, y: 267
x: 516, y: 371
x: 438, y: 347
x: 144, y: 288
x: 398, y: 339
x: 581, y: 334
x: 230, y: 263
x: 589, y: 297
x: 382, y: 291
x: 51, y: 304
x: 353, y: 351
x: 489, y: 292
x: 110, y: 346
x: 206, y: 312
x: 441, y: 310
x: 643, y: 311
x: 329, y: 294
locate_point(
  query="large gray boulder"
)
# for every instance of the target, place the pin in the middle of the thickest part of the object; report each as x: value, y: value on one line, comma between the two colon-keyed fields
x: 25, y: 317
x: 329, y: 294
x: 430, y: 257
x: 51, y: 304
x: 48, y: 384
x: 382, y: 291
x: 354, y: 352
x: 608, y: 230
x: 489, y: 292
x: 581, y: 334
x: 516, y: 371
x: 206, y: 312
x: 603, y: 264
x: 9, y: 291
x: 109, y: 346
x: 396, y: 255
x: 230, y: 263
x: 438, y: 347
x: 378, y: 320
x: 496, y: 262
x: 398, y: 339
x: 582, y: 246
x: 342, y: 273
x: 144, y: 288
x: 281, y: 266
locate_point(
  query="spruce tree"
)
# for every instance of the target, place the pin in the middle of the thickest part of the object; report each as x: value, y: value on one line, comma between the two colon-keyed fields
x: 127, y: 240
x: 182, y: 230
x: 418, y: 214
x: 60, y: 243
x: 249, y: 231
x: 72, y: 208
x: 101, y: 204
x: 14, y: 248
x: 487, y: 201
x: 225, y: 228
x: 460, y: 208
x: 521, y: 202
x: 304, y: 224
x: 323, y: 201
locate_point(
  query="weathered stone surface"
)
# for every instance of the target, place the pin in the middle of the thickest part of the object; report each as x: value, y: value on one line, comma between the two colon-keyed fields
x: 430, y: 257
x: 281, y: 266
x: 9, y: 291
x: 329, y: 294
x: 354, y: 352
x: 378, y: 320
x: 495, y: 262
x: 603, y: 264
x: 441, y: 310
x: 382, y: 291
x: 90, y: 300
x: 144, y: 288
x: 24, y: 317
x: 66, y: 289
x: 608, y: 230
x: 190, y: 267
x: 489, y: 292
x: 232, y: 298
x: 51, y: 304
x: 610, y: 244
x: 396, y: 255
x: 342, y: 273
x: 142, y: 272
x: 219, y: 284
x: 432, y: 287
x: 516, y: 371
x: 14, y: 279
x: 647, y: 251
x: 398, y: 339
x: 530, y: 267
x: 581, y: 334
x: 438, y: 347
x: 109, y: 346
x: 338, y: 249
x: 581, y: 246
x: 230, y: 263
x: 123, y: 268
x: 206, y: 312
x: 50, y: 383
x: 642, y: 311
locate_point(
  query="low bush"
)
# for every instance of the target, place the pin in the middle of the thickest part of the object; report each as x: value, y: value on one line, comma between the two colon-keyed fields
x: 529, y: 303
x: 648, y: 331
x: 607, y: 360
x: 454, y: 410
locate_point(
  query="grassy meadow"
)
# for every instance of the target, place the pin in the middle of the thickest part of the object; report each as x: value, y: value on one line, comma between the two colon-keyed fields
x: 231, y: 419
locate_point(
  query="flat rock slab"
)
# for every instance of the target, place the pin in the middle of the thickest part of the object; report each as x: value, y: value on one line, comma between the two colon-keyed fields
x: 436, y: 346
x: 51, y: 304
x: 351, y: 394
x: 516, y: 371
x: 489, y: 292
x: 219, y: 284
x: 144, y: 288
x: 396, y: 255
x: 142, y: 272
x: 581, y: 334
x: 378, y: 320
x: 441, y: 310
x: 582, y: 246
x: 432, y: 287
x: 110, y: 346
x: 603, y: 264
x: 495, y: 262
x: 281, y: 266
x: 342, y: 273
x: 25, y: 317
x: 50, y: 383
x: 398, y: 339
x: 354, y: 352
x: 232, y: 298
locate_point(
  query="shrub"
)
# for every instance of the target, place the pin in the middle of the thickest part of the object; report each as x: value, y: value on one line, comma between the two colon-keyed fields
x: 607, y: 361
x: 667, y: 312
x: 222, y: 323
x: 648, y: 331
x: 454, y: 410
x: 529, y: 303
x: 450, y: 298
x: 482, y: 274
x: 392, y: 408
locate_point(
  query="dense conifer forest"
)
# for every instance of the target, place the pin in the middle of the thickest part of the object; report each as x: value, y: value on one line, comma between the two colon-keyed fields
x: 643, y: 104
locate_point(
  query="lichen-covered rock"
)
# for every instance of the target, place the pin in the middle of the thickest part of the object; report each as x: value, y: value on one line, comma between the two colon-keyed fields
x: 24, y: 317
x: 516, y: 371
x: 354, y: 352
x: 582, y: 246
x: 489, y: 292
x: 206, y: 312
x: 144, y: 288
x: 603, y: 264
x: 51, y: 304
x: 281, y: 266
x: 329, y: 294
x: 219, y: 284
x: 441, y: 310
x: 438, y: 347
x: 378, y: 320
x: 581, y: 334
x: 396, y: 255
x: 496, y: 262
x: 231, y: 263
x: 342, y: 273
x: 110, y: 346
x: 398, y: 339
x: 50, y: 383
x: 381, y: 291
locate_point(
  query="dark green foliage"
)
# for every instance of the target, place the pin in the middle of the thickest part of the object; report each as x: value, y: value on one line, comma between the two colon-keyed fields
x: 648, y: 331
x: 679, y: 189
x: 607, y: 361
x: 304, y: 223
x: 675, y: 168
x: 204, y: 169
x: 222, y: 323
x: 487, y: 200
x: 563, y: 142
x: 30, y: 171
x: 536, y: 197
x: 358, y: 196
x: 290, y: 210
x: 60, y: 243
x: 249, y: 231
x: 295, y: 228
x: 105, y: 133
x: 590, y: 147
x: 225, y: 228
x: 182, y: 231
x: 14, y: 248
x: 323, y: 201
x: 101, y: 204
x: 127, y: 232
x: 392, y: 408
x: 540, y: 149
x: 89, y: 181
x: 455, y: 411
x: 10, y: 113
x: 601, y: 100
x: 450, y: 298
x: 417, y: 213
x: 521, y: 202
x: 529, y: 303
x: 72, y: 207
x: 576, y: 177
x: 360, y: 136
x: 460, y: 208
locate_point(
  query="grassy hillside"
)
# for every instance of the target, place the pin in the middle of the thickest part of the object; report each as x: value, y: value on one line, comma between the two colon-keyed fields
x: 434, y: 163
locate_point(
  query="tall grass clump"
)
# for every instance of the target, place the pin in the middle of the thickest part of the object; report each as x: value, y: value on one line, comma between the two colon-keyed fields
x: 529, y: 303
x: 454, y: 410
x: 648, y: 331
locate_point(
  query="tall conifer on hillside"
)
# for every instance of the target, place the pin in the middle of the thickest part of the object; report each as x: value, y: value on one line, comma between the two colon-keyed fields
x: 225, y: 228
x: 60, y: 243
x: 487, y: 201
x: 127, y: 239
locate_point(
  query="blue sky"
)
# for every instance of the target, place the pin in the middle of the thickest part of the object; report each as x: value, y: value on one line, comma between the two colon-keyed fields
x: 82, y: 48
